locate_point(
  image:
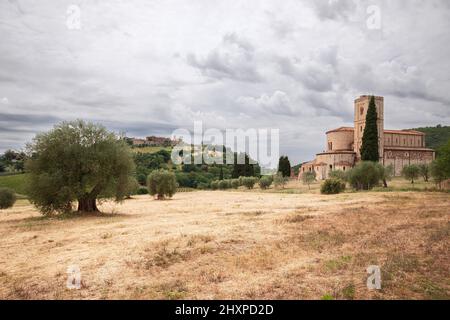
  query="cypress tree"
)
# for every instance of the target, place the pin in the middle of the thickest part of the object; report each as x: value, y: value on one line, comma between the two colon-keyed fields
x: 284, y: 166
x: 369, y: 148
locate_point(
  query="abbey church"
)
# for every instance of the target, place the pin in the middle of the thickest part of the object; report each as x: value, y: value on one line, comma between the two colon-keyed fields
x: 396, y: 147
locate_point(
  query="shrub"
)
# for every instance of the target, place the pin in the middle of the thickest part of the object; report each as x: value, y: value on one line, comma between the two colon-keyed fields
x: 332, y: 186
x: 308, y: 178
x: 7, y: 198
x: 438, y: 173
x: 424, y: 171
x: 265, y: 182
x: 162, y: 183
x: 215, y: 185
x: 224, y: 184
x: 365, y: 175
x: 142, y: 190
x: 279, y: 180
x: 411, y: 172
x: 235, y: 183
x: 202, y: 186
x: 249, y: 182
x: 338, y: 174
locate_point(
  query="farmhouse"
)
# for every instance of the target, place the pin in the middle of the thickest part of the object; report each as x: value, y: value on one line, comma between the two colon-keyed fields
x: 396, y: 147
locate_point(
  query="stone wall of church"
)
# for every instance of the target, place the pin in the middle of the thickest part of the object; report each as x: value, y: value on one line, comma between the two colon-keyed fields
x: 400, y: 158
x: 340, y: 140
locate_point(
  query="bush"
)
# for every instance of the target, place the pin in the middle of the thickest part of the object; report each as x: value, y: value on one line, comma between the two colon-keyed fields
x: 279, y: 180
x: 7, y: 198
x: 142, y: 190
x: 438, y: 173
x: 202, y: 186
x: 162, y: 183
x: 425, y: 172
x: 411, y: 172
x: 338, y: 174
x: 215, y: 185
x: 265, y: 182
x: 365, y: 175
x: 224, y: 184
x: 235, y: 183
x: 332, y: 186
x: 309, y: 177
x: 249, y: 182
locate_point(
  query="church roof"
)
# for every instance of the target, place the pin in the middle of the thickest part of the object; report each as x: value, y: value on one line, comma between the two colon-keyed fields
x: 410, y: 132
x: 341, y: 129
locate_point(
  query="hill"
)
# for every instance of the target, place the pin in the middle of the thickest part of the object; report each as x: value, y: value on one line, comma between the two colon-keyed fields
x: 16, y: 182
x: 436, y: 137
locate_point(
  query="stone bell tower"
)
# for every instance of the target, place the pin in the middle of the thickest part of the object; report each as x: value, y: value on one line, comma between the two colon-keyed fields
x: 361, y: 107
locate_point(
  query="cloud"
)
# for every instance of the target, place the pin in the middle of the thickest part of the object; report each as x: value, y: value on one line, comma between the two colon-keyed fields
x: 234, y: 59
x: 278, y: 103
x: 152, y: 66
x: 334, y: 9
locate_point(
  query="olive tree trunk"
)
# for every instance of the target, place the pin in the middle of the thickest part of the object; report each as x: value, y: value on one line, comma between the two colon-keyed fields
x: 87, y: 205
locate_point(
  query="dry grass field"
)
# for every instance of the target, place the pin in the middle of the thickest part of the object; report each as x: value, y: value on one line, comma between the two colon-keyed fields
x: 233, y: 245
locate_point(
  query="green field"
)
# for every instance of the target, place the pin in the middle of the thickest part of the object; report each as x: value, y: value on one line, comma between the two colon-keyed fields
x: 150, y: 149
x: 15, y: 182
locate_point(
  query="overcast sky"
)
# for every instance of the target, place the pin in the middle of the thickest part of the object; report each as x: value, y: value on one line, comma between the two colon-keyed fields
x: 149, y: 67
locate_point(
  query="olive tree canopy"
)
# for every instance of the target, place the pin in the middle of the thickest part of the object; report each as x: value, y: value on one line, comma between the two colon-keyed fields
x: 77, y: 161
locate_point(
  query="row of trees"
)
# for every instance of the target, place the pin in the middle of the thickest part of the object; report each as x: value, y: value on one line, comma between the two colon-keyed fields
x: 12, y: 161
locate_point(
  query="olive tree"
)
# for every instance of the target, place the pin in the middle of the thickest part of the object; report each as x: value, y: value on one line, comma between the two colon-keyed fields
x: 77, y: 161
x: 411, y: 172
x: 308, y: 177
x: 162, y: 183
x: 365, y: 175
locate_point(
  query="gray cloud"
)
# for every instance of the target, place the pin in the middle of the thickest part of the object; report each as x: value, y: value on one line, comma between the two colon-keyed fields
x: 150, y: 67
x: 233, y: 59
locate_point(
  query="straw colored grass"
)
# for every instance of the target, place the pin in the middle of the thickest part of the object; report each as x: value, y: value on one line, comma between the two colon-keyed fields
x: 233, y: 245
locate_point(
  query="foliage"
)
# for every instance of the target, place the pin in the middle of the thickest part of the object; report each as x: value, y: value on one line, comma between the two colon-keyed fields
x: 338, y: 174
x: 265, y: 182
x: 284, y: 166
x: 215, y: 185
x: 308, y: 177
x: 436, y: 137
x: 77, y: 161
x: 424, y: 170
x: 224, y: 184
x: 147, y: 162
x: 249, y: 182
x: 142, y: 190
x: 411, y: 172
x: 244, y: 168
x: 162, y: 183
x: 365, y: 175
x: 279, y: 180
x: 369, y: 147
x: 332, y: 186
x: 132, y: 187
x: 386, y: 173
x: 440, y: 168
x: 193, y: 179
x: 12, y: 161
x: 235, y: 183
x: 296, y: 169
x: 7, y: 198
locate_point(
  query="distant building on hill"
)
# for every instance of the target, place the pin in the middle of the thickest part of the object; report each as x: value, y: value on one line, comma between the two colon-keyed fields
x: 154, y: 141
